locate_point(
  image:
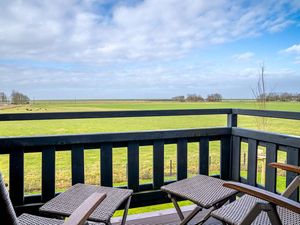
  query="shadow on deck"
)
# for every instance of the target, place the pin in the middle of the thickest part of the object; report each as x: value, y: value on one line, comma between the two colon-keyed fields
x: 162, y: 217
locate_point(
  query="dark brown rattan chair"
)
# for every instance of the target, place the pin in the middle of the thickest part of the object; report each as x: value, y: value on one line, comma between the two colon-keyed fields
x: 259, y: 206
x: 79, y: 217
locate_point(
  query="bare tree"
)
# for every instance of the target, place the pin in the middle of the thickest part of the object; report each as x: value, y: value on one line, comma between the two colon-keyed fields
x: 283, y: 97
x: 260, y: 95
x: 180, y: 98
x: 194, y: 98
x: 19, y: 98
x: 3, y: 98
x: 214, y: 97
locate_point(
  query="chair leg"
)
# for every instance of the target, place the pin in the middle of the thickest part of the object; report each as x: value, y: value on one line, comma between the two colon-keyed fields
x: 209, y: 211
x: 206, y: 216
x: 252, y: 214
x: 178, y: 210
x: 191, y: 215
x: 292, y: 187
x: 273, y: 215
x: 195, y: 211
x: 126, y: 211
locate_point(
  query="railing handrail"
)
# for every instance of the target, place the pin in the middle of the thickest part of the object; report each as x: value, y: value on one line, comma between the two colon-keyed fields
x: 6, y: 143
x: 110, y: 114
x: 148, y: 113
x: 266, y: 136
x: 268, y: 113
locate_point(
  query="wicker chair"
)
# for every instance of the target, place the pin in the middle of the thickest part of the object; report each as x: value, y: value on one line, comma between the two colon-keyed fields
x: 258, y: 206
x: 206, y: 192
x: 79, y: 217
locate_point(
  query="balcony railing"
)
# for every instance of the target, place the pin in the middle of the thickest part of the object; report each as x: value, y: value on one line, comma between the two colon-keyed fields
x: 230, y: 138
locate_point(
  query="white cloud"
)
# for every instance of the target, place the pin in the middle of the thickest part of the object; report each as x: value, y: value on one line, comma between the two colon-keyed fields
x: 294, y: 49
x: 244, y: 56
x: 149, y: 81
x: 79, y: 31
x: 129, y: 49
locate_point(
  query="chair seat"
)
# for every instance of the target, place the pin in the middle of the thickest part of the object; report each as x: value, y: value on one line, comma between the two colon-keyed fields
x: 203, y: 190
x: 67, y: 202
x: 235, y: 212
x: 27, y: 219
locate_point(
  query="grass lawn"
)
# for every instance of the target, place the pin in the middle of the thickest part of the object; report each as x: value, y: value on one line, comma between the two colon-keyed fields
x: 92, y: 157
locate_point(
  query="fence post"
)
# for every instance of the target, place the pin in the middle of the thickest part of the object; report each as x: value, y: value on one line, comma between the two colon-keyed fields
x: 232, y: 121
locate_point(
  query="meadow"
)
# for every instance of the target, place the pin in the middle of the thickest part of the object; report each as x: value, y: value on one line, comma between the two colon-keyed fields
x: 92, y: 171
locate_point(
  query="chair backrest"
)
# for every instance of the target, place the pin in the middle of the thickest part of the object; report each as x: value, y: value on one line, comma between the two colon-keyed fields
x: 7, y: 212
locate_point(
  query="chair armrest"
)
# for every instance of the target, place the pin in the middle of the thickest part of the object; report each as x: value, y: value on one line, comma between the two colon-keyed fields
x: 291, y: 168
x: 82, y: 213
x: 265, y: 195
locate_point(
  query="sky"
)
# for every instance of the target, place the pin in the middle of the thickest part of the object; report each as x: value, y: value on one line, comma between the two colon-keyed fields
x: 136, y: 49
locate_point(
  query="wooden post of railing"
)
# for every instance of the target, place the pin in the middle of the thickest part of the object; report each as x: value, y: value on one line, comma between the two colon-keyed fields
x: 234, y: 150
x: 292, y: 159
x: 158, y: 164
x: 106, y: 165
x: 204, y: 156
x: 271, y: 156
x: 225, y: 158
x: 77, y: 164
x: 232, y: 120
x: 133, y: 165
x: 236, y: 158
x: 16, y: 181
x: 182, y: 159
x: 48, y: 173
x: 252, y: 162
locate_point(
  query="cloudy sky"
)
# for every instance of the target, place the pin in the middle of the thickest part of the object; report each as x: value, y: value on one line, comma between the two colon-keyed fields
x: 147, y: 49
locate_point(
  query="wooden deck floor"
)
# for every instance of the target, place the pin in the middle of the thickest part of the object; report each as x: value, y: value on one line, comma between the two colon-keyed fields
x: 162, y: 217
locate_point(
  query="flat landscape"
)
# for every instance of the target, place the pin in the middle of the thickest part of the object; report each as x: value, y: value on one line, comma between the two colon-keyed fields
x: 92, y: 157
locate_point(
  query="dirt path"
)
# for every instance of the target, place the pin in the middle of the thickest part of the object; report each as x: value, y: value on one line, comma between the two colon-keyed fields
x: 7, y: 106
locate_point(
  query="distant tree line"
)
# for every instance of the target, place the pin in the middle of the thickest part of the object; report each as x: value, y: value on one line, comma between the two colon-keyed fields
x: 198, y: 98
x: 3, y: 98
x: 16, y: 98
x: 279, y: 97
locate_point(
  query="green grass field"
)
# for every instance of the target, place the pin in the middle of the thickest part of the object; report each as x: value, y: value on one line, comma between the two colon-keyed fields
x: 92, y: 171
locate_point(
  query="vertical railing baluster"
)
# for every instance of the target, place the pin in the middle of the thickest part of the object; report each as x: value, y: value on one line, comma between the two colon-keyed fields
x: 236, y: 158
x: 77, y: 164
x: 271, y: 156
x: 181, y: 158
x: 204, y: 156
x: 158, y: 163
x: 16, y: 173
x: 292, y: 159
x: 225, y: 157
x: 252, y: 162
x: 106, y: 165
x: 48, y: 173
x: 133, y: 165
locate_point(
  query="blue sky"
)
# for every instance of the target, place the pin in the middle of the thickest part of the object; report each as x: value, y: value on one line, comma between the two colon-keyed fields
x: 147, y: 49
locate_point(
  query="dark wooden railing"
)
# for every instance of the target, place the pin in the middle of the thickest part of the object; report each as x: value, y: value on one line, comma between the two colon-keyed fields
x: 273, y: 143
x: 146, y: 194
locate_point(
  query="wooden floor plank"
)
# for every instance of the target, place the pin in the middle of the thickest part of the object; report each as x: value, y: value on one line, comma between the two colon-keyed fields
x: 162, y: 218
